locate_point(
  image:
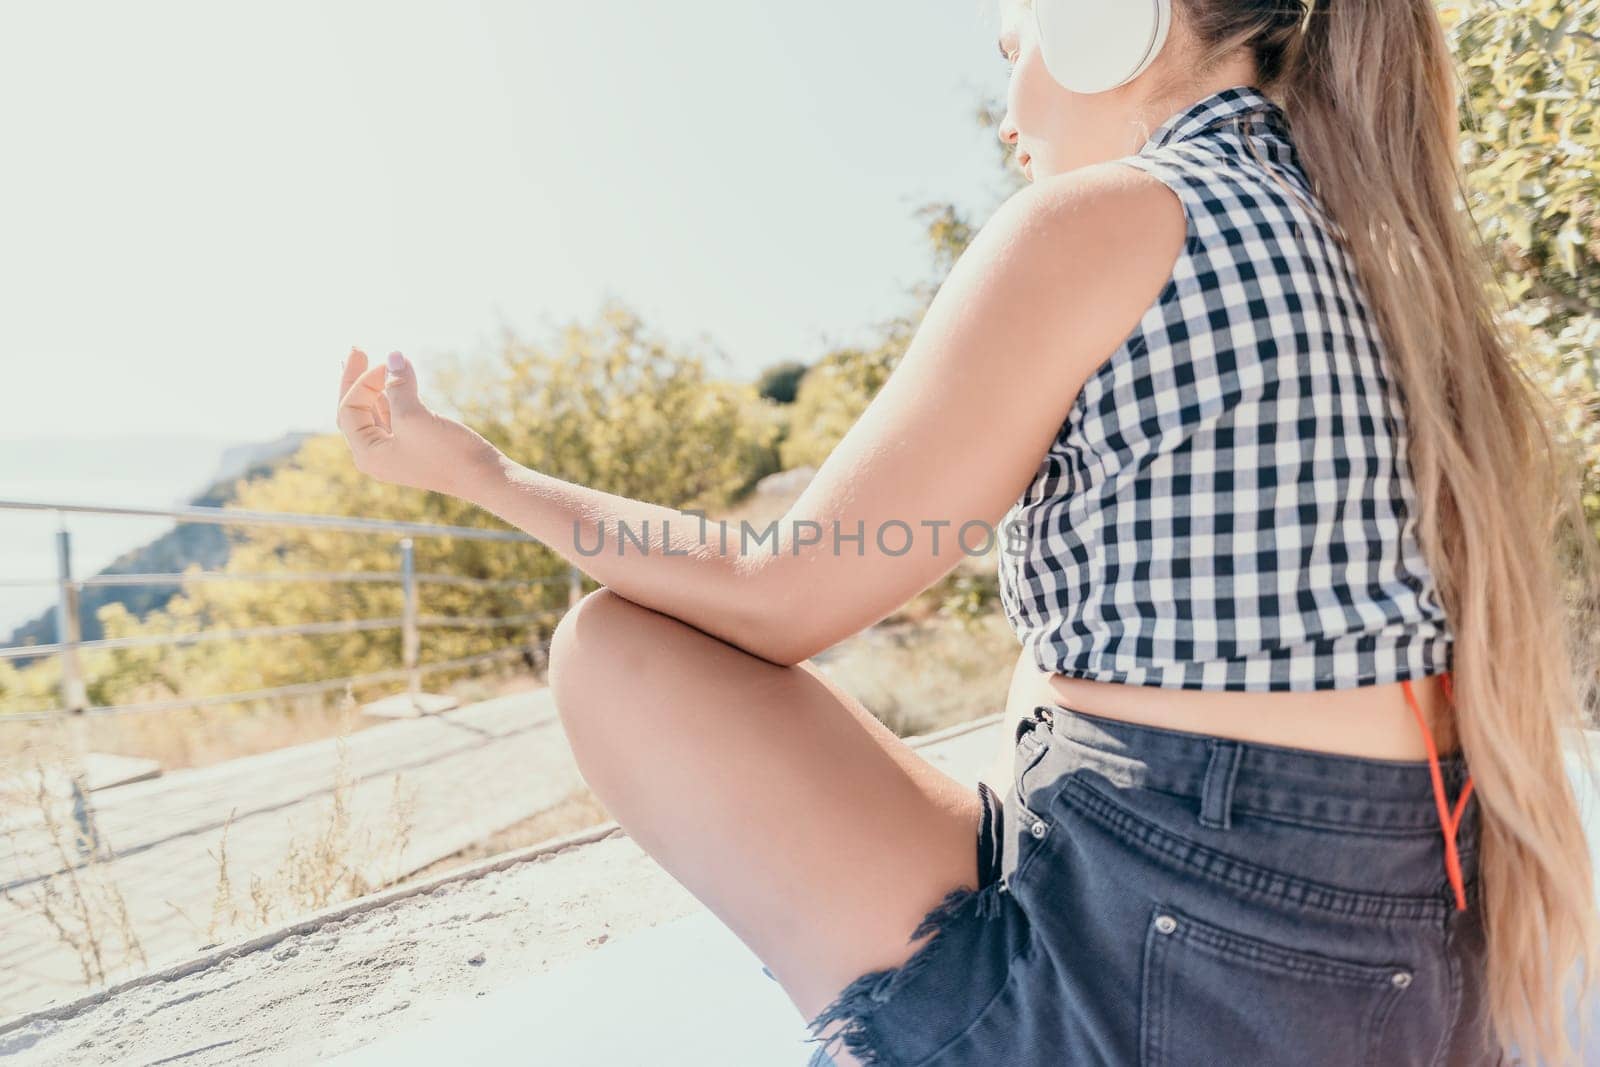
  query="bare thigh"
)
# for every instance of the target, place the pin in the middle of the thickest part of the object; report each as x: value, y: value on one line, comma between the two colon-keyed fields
x: 811, y: 830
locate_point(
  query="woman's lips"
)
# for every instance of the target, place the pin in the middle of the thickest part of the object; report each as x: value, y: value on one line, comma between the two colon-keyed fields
x: 1023, y: 160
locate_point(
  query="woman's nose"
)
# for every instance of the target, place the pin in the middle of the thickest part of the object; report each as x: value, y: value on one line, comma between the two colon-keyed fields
x: 1008, y: 131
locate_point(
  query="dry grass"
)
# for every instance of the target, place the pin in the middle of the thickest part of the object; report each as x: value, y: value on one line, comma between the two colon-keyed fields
x: 337, y: 860
x: 924, y: 676
x: 200, y: 737
x: 81, y: 902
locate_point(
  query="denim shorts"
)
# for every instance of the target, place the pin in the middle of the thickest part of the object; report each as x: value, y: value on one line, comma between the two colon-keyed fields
x: 1161, y: 897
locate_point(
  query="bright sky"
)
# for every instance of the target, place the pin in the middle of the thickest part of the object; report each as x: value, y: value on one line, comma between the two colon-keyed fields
x: 205, y: 204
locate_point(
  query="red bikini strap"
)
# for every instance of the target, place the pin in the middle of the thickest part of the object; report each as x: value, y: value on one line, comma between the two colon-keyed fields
x: 1447, y: 823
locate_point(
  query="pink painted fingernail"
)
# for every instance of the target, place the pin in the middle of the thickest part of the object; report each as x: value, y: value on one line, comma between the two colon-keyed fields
x: 397, y: 361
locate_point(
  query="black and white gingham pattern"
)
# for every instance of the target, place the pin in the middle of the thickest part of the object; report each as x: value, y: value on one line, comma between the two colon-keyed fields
x: 1229, y: 504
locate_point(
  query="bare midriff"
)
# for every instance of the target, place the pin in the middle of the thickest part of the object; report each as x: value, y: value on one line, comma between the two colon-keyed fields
x: 1374, y: 721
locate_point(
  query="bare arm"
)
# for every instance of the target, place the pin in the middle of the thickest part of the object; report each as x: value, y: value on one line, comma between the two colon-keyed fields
x: 1048, y: 288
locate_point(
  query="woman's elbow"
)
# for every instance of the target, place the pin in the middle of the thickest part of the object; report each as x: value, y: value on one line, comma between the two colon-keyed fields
x: 780, y: 645
x: 785, y: 638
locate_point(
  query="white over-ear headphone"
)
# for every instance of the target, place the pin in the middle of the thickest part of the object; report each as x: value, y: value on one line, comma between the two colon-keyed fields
x: 1093, y: 46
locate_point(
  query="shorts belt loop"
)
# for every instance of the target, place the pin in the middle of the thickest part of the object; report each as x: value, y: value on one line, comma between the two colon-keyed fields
x: 1216, y: 792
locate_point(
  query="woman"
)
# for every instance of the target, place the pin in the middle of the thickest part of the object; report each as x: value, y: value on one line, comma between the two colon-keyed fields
x: 1292, y: 487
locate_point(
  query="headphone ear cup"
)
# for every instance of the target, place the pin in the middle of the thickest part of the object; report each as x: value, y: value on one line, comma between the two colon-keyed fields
x: 1094, y: 46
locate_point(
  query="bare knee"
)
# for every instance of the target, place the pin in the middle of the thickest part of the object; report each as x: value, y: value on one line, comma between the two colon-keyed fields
x: 604, y: 659
x: 583, y: 640
x: 600, y: 654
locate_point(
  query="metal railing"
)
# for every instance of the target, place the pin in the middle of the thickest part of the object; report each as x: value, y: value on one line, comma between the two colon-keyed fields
x: 69, y: 628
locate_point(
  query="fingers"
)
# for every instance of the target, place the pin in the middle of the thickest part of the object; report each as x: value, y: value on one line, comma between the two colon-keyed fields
x: 402, y: 388
x: 366, y: 388
x: 359, y: 410
x: 354, y: 364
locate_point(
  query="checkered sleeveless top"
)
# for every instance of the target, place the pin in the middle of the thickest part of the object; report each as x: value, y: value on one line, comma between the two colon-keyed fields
x: 1228, y: 504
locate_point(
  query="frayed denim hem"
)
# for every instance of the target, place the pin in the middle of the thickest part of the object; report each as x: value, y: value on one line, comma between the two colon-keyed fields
x: 857, y: 1004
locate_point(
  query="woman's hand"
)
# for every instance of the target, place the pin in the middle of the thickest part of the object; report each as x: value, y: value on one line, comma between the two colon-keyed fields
x: 396, y: 438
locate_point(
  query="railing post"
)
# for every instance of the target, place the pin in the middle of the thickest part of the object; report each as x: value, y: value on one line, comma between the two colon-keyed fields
x: 413, y: 701
x: 69, y: 631
x: 574, y: 586
x: 408, y: 617
x: 74, y: 694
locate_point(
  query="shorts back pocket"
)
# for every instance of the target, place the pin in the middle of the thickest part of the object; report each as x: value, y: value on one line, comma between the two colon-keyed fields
x: 1213, y: 996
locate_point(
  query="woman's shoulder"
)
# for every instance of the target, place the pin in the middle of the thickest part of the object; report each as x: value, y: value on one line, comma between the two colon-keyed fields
x: 1228, y: 186
x: 1107, y: 193
x: 1125, y: 229
x: 1065, y: 267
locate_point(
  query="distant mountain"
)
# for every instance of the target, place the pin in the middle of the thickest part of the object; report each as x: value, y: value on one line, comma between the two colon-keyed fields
x: 240, y: 459
x: 173, y: 550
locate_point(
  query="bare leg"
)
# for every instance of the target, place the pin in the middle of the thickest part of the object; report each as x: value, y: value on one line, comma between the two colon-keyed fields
x: 800, y: 820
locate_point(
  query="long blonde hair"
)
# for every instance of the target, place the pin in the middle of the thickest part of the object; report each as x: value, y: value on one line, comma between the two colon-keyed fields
x: 1370, y: 90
